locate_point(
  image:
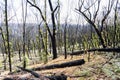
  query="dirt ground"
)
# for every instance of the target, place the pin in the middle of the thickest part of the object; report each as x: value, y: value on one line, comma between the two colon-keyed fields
x: 94, y: 69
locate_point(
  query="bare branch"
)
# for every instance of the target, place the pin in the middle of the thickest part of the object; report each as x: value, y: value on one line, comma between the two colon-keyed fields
x: 56, y: 8
x: 110, y: 5
x: 96, y: 10
x: 88, y: 19
x: 11, y: 17
x: 90, y: 14
x: 30, y: 71
x: 51, y: 8
x: 89, y: 6
x: 42, y: 17
x: 82, y: 2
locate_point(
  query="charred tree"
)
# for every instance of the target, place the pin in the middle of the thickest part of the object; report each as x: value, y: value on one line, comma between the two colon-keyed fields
x: 24, y: 15
x: 7, y: 30
x: 97, y: 49
x: 84, y: 10
x: 52, y: 77
x: 51, y: 34
x: 62, y: 65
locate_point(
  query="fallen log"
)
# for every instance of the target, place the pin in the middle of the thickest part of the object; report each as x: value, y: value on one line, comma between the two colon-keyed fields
x: 41, y: 77
x: 7, y: 79
x: 30, y: 71
x: 57, y: 77
x: 96, y: 49
x: 53, y: 77
x: 62, y: 65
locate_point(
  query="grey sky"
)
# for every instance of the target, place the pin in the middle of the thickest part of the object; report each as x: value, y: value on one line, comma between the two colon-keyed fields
x: 67, y: 8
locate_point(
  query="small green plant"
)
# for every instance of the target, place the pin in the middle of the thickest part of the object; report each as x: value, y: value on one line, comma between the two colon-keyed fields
x: 1, y: 64
x: 45, y: 57
x: 26, y: 59
x: 117, y: 70
x: 85, y: 73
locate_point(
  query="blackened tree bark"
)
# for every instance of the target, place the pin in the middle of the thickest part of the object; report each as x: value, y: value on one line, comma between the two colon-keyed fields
x: 65, y: 47
x: 92, y: 21
x: 61, y: 65
x: 96, y: 49
x: 19, y: 52
x: 41, y: 77
x: 24, y: 15
x: 54, y: 29
x: 7, y: 30
x: 52, y: 34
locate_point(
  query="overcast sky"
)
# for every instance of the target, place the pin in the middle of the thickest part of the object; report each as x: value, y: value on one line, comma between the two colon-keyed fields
x: 67, y: 8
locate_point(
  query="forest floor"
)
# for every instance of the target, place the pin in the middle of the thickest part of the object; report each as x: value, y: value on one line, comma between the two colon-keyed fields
x: 99, y: 67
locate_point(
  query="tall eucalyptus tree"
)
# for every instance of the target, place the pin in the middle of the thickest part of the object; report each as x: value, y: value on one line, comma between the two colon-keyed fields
x: 7, y: 30
x: 52, y: 33
x: 24, y: 15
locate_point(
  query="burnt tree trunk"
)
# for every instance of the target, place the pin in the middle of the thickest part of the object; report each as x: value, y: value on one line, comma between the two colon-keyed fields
x: 53, y: 39
x: 52, y: 77
x: 52, y: 34
x: 54, y: 50
x: 7, y: 34
x: 65, y: 50
x: 62, y: 65
x: 97, y: 49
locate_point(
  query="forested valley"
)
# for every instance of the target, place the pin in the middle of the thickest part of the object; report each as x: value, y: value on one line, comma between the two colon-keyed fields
x: 60, y: 40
